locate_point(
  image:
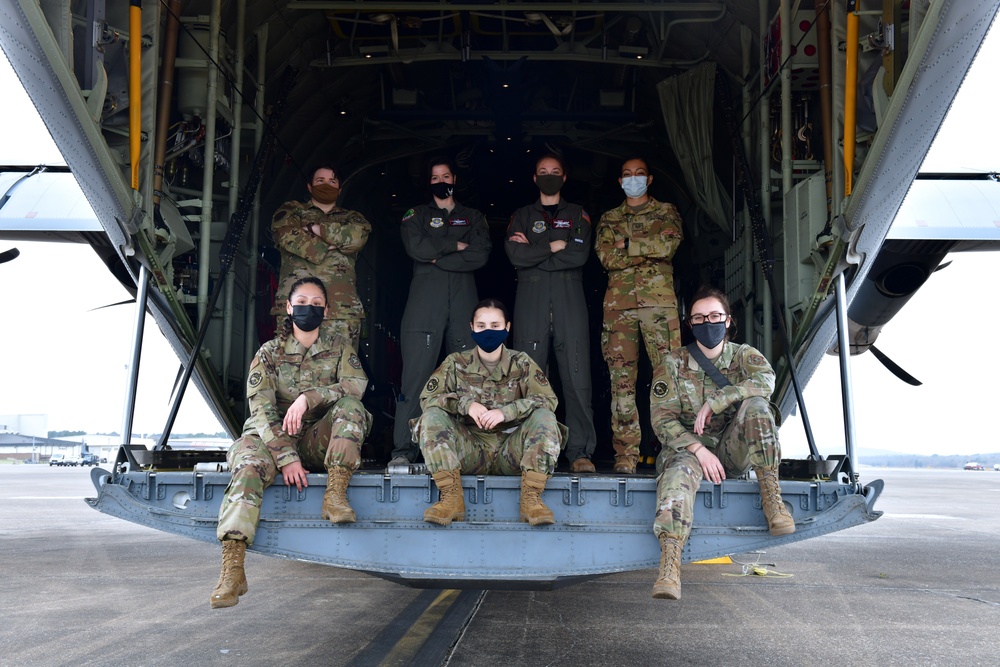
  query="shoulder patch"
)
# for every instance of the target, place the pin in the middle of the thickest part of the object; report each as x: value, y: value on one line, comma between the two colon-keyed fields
x: 354, y: 361
x: 432, y: 385
x: 280, y: 215
x: 583, y: 214
x: 255, y: 378
x: 409, y: 214
x: 757, y: 360
x: 540, y: 378
x: 660, y: 389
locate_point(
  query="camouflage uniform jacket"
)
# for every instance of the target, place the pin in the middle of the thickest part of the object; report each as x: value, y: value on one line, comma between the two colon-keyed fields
x: 640, y: 275
x: 330, y: 256
x: 570, y: 224
x: 680, y: 388
x: 431, y: 234
x: 516, y: 386
x: 282, y: 370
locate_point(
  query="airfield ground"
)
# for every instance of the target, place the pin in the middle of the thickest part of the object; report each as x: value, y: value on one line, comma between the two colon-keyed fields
x: 918, y: 586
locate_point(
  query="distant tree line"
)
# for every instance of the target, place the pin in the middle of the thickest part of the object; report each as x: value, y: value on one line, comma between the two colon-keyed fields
x: 934, y: 461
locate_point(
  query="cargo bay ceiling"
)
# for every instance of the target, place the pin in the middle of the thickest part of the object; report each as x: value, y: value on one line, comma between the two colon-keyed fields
x: 494, y: 82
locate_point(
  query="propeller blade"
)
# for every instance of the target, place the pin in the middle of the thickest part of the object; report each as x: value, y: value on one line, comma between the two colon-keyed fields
x: 112, y: 305
x: 894, y: 367
x: 8, y: 255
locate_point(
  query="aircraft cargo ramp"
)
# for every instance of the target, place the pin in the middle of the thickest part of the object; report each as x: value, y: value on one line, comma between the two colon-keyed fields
x: 603, y: 523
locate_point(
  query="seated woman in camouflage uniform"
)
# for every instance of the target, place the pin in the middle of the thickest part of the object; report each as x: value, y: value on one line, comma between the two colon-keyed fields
x: 488, y: 410
x: 712, y: 431
x: 304, y: 391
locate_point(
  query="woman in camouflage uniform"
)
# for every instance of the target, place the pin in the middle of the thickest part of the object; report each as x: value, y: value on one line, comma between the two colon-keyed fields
x: 488, y: 410
x: 304, y: 391
x: 319, y: 238
x: 712, y: 431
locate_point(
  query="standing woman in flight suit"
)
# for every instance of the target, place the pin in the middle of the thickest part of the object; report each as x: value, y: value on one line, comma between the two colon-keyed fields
x: 447, y: 243
x: 549, y: 242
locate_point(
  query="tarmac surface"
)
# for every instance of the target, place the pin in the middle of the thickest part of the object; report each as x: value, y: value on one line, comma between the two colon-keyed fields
x: 920, y: 586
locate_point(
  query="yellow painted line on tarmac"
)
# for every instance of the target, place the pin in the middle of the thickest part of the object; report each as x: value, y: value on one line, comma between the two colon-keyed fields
x: 409, y: 644
x: 722, y: 560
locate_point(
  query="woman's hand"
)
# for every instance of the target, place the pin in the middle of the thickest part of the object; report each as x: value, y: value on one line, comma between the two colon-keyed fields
x: 711, y: 466
x: 295, y: 474
x: 293, y: 418
x: 476, y: 411
x: 702, y: 419
x: 491, y: 419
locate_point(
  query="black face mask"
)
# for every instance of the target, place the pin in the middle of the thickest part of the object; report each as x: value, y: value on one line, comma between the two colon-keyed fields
x: 489, y: 339
x: 709, y: 334
x: 549, y: 184
x: 307, y: 318
x: 442, y: 190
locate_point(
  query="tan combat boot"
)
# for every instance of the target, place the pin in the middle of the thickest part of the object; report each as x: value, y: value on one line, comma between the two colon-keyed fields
x: 335, y: 507
x: 779, y: 521
x: 533, y: 510
x: 233, y: 580
x: 451, y: 507
x: 626, y: 464
x: 668, y: 585
x: 582, y: 464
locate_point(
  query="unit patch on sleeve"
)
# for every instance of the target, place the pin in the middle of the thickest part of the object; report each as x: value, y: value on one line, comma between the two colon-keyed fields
x: 255, y: 378
x: 409, y: 214
x: 432, y: 385
x: 354, y: 361
x: 660, y: 389
x: 757, y: 360
x: 540, y: 378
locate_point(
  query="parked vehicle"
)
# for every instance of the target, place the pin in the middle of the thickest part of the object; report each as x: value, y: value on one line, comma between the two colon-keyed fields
x: 972, y: 465
x: 89, y: 460
x: 62, y: 460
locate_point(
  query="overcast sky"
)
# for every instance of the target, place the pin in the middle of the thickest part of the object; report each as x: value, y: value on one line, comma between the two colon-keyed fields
x: 68, y: 360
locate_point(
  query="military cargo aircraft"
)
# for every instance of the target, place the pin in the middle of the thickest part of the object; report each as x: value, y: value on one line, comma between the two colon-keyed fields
x: 787, y: 134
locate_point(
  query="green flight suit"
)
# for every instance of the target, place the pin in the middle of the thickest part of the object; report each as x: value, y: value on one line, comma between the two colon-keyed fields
x: 442, y: 296
x: 550, y: 307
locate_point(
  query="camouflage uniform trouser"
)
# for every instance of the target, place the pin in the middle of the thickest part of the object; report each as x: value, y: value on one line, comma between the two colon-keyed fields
x: 334, y: 440
x: 349, y: 328
x: 661, y: 331
x: 750, y: 439
x: 449, y: 444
